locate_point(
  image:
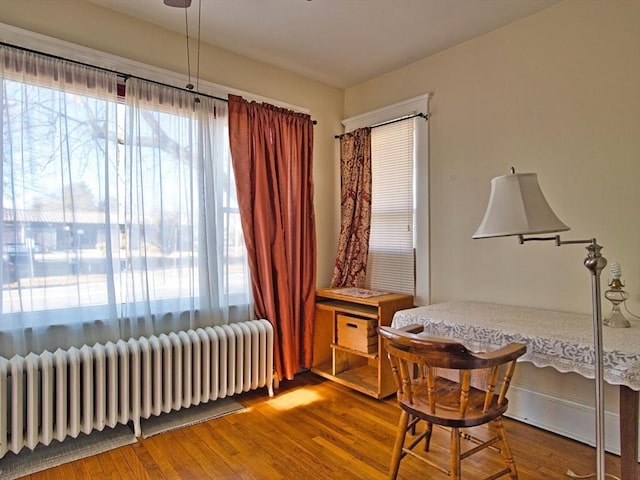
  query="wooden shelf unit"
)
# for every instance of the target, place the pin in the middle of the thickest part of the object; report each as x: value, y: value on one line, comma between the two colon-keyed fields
x: 368, y: 373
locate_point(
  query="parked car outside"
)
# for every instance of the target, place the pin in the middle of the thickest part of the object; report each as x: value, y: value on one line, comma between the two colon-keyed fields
x: 9, y: 272
x: 16, y: 253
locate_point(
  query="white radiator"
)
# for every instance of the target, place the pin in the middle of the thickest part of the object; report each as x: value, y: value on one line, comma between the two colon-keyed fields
x: 55, y: 395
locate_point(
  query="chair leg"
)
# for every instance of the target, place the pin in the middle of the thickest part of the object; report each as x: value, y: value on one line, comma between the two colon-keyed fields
x: 397, y: 447
x: 454, y: 459
x: 505, y: 450
x: 427, y: 436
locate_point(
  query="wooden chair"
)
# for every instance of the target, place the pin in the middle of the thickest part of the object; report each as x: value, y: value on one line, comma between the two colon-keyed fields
x: 456, y: 403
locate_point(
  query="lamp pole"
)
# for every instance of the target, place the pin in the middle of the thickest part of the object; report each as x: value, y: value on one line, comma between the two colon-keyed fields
x: 595, y: 263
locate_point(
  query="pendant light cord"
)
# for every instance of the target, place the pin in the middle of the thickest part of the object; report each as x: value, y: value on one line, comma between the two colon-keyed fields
x: 186, y: 30
x: 198, y: 58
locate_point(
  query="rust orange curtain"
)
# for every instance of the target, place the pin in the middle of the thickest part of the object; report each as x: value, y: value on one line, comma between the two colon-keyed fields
x: 271, y: 150
x: 350, y: 269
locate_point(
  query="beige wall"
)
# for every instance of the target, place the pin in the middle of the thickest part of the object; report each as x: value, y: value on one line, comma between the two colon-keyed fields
x: 556, y: 93
x: 89, y: 25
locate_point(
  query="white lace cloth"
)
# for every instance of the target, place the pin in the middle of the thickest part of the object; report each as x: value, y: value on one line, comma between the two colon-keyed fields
x: 560, y: 340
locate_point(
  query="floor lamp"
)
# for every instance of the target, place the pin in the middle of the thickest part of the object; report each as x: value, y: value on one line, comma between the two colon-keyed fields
x: 517, y: 207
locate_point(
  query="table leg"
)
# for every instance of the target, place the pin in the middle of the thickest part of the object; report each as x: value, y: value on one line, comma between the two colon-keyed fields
x: 629, y: 433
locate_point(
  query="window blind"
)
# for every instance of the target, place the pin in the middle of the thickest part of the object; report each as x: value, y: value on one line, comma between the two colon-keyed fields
x: 391, y: 261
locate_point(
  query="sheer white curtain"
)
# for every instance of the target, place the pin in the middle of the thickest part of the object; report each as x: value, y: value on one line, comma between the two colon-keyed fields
x: 178, y: 214
x: 58, y: 145
x: 119, y: 219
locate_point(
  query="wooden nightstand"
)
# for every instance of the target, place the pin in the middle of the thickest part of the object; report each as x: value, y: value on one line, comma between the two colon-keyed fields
x: 343, y: 350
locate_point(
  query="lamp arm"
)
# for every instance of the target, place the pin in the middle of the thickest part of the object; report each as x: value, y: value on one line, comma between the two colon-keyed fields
x: 522, y: 239
x: 557, y: 240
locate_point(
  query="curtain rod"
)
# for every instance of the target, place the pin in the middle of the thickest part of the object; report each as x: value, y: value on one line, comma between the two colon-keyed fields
x: 122, y: 75
x: 399, y: 119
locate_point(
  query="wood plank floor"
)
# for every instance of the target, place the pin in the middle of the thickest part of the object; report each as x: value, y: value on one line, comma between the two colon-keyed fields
x: 312, y: 429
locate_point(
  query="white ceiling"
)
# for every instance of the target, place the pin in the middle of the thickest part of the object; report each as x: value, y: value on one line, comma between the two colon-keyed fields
x: 337, y: 42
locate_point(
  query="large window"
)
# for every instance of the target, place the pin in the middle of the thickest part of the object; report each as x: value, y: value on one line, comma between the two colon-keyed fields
x: 115, y: 209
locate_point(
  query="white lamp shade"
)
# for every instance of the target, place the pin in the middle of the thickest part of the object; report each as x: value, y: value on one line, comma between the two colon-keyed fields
x: 517, y: 207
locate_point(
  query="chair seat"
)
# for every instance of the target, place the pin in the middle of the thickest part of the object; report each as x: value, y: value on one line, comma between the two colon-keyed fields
x: 447, y: 405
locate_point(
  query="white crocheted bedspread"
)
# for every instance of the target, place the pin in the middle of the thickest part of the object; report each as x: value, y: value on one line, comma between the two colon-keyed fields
x: 560, y: 340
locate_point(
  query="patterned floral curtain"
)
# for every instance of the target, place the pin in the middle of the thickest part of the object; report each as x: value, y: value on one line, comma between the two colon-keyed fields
x: 355, y: 172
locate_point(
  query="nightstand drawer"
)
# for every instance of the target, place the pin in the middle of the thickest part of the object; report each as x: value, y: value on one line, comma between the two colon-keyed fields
x: 357, y: 333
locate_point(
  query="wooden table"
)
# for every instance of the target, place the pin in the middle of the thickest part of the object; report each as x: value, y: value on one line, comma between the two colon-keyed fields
x: 560, y: 340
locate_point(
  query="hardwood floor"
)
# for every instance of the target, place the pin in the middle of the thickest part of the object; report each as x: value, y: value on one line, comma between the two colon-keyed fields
x: 312, y: 429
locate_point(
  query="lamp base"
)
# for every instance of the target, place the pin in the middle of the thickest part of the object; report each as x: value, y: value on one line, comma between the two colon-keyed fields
x: 617, y: 296
x: 616, y: 320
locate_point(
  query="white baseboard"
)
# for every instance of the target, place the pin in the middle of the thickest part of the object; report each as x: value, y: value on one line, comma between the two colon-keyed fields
x: 562, y: 416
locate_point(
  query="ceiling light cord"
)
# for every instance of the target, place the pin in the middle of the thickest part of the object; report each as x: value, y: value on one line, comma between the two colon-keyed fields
x: 198, y: 58
x: 186, y: 30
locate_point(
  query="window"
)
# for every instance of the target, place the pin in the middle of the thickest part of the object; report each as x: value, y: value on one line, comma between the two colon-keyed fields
x: 399, y: 243
x: 391, y: 265
x: 114, y: 209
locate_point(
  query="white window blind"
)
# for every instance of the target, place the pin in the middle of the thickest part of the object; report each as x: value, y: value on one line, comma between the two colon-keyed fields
x: 391, y: 261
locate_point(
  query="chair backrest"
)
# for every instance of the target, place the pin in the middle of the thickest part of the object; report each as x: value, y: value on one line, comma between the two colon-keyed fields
x: 417, y: 361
